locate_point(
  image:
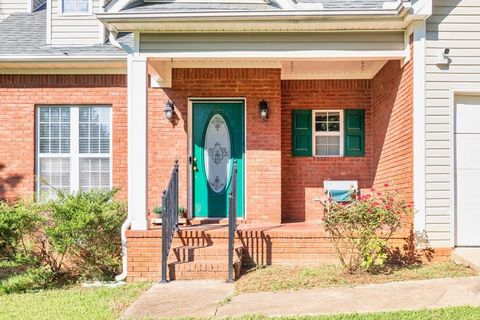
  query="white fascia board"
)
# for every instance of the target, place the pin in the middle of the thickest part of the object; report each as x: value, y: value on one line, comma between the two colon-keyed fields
x: 63, y: 59
x: 288, y: 55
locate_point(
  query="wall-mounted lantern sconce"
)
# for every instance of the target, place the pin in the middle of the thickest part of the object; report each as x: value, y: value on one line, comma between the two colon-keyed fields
x: 169, y: 108
x: 442, y: 58
x: 263, y: 106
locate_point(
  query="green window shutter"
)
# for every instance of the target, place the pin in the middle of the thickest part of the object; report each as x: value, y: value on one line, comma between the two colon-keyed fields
x: 302, y: 133
x: 354, y: 133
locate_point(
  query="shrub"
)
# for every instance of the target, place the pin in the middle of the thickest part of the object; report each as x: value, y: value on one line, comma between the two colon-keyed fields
x: 82, y: 234
x: 360, y: 230
x: 31, y: 279
x: 75, y: 236
x: 18, y: 221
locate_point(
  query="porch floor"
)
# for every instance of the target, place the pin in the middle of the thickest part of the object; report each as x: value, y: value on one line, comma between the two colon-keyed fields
x: 304, y: 228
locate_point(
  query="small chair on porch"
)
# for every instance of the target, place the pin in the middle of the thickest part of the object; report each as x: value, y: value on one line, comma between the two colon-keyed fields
x: 339, y: 191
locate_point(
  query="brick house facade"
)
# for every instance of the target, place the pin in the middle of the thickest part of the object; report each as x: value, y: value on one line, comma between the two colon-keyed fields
x: 364, y: 63
x: 281, y: 188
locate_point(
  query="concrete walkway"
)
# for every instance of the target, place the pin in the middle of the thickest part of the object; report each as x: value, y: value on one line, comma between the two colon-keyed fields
x: 467, y: 256
x: 214, y: 299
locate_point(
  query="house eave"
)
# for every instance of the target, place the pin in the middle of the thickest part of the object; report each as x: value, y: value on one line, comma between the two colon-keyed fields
x: 281, y: 20
x: 16, y: 58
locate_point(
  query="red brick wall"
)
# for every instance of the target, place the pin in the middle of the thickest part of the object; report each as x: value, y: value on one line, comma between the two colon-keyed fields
x: 392, y: 112
x: 302, y: 177
x: 168, y: 142
x: 276, y: 182
x: 392, y: 119
x: 19, y: 94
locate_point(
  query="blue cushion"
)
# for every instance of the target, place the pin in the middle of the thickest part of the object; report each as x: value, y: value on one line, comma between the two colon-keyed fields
x: 341, y: 195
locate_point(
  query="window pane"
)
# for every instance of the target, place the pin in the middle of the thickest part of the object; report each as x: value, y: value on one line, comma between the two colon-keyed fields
x: 321, y: 116
x: 54, y: 114
x: 327, y: 122
x: 334, y: 126
x: 94, y: 173
x: 44, y: 115
x: 54, y: 130
x: 333, y: 116
x: 327, y: 145
x: 94, y: 130
x: 84, y: 114
x: 44, y: 130
x: 76, y: 6
x: 321, y: 126
x: 333, y: 150
x: 54, y: 175
x: 82, y: 6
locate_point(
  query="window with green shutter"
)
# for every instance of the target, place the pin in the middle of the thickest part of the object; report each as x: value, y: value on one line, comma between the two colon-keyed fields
x: 302, y: 133
x: 354, y: 134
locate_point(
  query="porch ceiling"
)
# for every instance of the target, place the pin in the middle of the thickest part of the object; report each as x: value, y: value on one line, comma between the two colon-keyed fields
x: 290, y: 69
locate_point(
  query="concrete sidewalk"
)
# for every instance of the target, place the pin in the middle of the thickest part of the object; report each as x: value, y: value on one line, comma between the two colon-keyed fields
x: 214, y: 299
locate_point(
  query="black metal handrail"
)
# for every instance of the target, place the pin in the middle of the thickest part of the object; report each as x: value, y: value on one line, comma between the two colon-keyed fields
x: 169, y: 218
x: 232, y: 222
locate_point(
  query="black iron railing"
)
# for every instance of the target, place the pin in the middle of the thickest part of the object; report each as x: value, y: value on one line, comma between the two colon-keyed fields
x: 169, y: 218
x: 232, y: 222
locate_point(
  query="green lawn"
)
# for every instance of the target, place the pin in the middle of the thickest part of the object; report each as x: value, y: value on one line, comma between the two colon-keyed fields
x: 459, y: 313
x: 72, y: 303
x: 276, y: 278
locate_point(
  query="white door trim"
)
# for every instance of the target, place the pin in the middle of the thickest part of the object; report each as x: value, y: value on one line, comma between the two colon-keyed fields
x: 191, y: 100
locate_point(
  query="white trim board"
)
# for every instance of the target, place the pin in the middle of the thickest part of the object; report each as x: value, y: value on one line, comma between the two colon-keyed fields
x: 191, y: 100
x: 419, y: 126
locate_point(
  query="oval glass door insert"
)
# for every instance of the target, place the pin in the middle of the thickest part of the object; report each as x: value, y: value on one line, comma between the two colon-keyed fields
x: 217, y: 153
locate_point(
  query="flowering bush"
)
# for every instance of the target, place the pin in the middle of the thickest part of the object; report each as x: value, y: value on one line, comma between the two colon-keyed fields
x: 360, y: 229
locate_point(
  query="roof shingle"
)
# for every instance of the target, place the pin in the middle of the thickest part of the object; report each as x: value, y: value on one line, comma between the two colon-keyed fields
x: 24, y: 34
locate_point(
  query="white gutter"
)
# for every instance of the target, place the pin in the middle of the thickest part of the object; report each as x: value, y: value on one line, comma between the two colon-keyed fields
x: 122, y: 276
x: 112, y: 37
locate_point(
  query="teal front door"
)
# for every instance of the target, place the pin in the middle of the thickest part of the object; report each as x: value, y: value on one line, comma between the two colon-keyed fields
x: 218, y: 140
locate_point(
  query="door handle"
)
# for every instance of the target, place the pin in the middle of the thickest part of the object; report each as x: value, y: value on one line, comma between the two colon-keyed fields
x: 194, y: 165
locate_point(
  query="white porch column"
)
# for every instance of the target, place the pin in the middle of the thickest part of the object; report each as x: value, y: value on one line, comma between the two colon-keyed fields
x: 419, y: 118
x: 137, y: 142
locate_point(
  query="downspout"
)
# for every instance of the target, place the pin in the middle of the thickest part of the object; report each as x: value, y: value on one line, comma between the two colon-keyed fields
x: 122, y: 276
x: 112, y: 37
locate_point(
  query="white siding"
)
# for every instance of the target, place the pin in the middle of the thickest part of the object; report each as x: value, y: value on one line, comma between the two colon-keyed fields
x: 218, y: 42
x: 455, y: 24
x: 7, y: 7
x: 75, y: 29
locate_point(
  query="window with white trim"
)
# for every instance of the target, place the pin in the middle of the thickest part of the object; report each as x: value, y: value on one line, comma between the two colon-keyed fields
x: 73, y: 149
x: 76, y: 6
x: 328, y: 133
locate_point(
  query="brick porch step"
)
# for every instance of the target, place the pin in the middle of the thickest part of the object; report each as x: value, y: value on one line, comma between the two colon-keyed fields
x: 192, y: 270
x: 205, y: 253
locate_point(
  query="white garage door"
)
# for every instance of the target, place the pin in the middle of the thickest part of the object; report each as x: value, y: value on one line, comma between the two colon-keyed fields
x: 467, y: 162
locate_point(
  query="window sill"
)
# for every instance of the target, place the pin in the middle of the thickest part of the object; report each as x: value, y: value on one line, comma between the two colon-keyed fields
x: 67, y: 15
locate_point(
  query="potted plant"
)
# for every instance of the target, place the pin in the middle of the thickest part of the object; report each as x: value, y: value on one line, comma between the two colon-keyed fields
x: 157, y: 215
x: 182, y: 215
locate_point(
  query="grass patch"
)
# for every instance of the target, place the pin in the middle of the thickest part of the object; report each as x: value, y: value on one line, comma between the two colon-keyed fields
x: 457, y: 313
x: 276, y: 278
x: 70, y: 303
